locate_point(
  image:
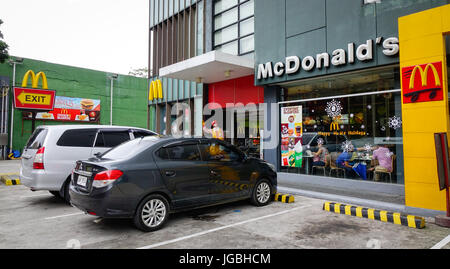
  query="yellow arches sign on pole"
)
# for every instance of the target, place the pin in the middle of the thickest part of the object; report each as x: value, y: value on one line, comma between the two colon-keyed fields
x: 155, y: 91
x: 425, y: 108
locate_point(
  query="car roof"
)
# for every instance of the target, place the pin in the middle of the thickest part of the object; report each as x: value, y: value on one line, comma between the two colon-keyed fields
x: 80, y: 126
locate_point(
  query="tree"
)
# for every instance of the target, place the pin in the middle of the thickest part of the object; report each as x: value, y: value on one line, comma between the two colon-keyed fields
x: 3, y: 47
x: 139, y: 72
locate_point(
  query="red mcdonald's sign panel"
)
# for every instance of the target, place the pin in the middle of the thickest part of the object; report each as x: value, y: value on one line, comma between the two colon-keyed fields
x: 422, y: 83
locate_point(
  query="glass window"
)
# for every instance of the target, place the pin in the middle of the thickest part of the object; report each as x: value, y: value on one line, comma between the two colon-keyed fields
x: 222, y: 153
x: 37, y: 139
x: 226, y: 18
x: 77, y: 138
x: 231, y: 48
x: 111, y: 139
x: 129, y: 149
x: 226, y: 34
x: 222, y: 5
x: 356, y: 137
x: 181, y: 153
x: 247, y: 27
x: 247, y: 44
x: 247, y: 9
x: 139, y: 133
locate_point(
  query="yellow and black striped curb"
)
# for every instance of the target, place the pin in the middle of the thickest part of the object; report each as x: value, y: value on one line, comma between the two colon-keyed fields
x: 10, y: 179
x: 375, y: 214
x: 284, y: 198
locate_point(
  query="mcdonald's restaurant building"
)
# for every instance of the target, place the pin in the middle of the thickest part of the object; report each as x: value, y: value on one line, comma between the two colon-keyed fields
x: 363, y: 80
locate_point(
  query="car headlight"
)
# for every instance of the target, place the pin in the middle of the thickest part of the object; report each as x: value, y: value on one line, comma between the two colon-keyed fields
x: 271, y: 166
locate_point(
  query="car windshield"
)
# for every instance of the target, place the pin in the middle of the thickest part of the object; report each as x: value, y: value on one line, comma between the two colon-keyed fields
x: 129, y: 148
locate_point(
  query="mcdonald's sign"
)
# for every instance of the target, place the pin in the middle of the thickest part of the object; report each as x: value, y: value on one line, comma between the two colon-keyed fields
x: 155, y: 91
x: 422, y: 83
x: 34, y: 98
x: 334, y: 126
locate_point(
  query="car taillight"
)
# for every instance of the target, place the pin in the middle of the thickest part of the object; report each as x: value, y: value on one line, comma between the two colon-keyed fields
x: 38, y: 162
x: 105, y: 178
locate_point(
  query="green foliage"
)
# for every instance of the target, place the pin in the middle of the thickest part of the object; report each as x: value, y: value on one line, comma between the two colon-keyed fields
x: 4, y: 55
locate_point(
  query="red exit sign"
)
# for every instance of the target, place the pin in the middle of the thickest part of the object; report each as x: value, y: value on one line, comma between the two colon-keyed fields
x: 34, y: 99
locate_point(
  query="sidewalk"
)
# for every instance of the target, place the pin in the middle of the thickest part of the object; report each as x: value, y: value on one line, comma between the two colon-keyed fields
x: 9, y: 167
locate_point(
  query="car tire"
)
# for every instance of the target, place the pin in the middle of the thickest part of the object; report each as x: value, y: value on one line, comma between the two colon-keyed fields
x: 152, y: 213
x: 262, y: 193
x: 66, y: 195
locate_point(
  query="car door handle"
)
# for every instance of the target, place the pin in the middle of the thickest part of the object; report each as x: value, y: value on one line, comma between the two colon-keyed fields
x: 171, y: 173
x: 214, y: 173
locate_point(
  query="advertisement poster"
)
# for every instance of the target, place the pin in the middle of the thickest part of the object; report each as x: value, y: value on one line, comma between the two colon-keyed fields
x: 71, y: 109
x: 291, y: 136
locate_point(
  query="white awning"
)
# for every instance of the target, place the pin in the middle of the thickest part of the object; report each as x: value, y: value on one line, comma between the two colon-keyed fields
x: 211, y: 67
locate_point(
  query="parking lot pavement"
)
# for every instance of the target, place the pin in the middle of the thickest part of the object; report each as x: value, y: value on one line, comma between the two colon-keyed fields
x: 40, y: 220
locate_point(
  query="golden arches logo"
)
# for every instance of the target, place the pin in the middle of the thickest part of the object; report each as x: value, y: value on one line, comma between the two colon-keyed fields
x: 155, y: 91
x: 334, y: 126
x: 424, y: 75
x: 35, y: 79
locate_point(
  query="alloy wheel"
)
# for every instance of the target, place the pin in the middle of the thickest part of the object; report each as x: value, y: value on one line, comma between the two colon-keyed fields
x: 263, y: 192
x: 153, y: 213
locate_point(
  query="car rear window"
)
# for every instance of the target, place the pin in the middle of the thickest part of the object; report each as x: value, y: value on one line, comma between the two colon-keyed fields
x: 139, y: 133
x: 77, y: 138
x: 128, y: 149
x: 107, y: 139
x: 36, y: 140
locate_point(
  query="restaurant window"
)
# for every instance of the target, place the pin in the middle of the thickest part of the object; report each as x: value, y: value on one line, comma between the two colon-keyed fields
x: 234, y: 27
x: 355, y: 133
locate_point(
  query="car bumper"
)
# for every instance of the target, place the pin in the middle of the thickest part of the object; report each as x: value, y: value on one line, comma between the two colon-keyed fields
x: 109, y: 203
x: 39, y: 180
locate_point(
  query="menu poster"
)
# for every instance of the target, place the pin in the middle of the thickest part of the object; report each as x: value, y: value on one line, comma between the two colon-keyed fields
x: 291, y: 136
x: 71, y: 109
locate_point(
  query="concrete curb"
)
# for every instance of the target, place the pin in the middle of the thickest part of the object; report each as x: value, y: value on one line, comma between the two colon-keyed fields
x: 284, y: 198
x: 375, y: 214
x: 8, y: 181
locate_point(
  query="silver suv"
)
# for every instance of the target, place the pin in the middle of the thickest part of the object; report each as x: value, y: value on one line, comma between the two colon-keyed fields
x: 51, y: 152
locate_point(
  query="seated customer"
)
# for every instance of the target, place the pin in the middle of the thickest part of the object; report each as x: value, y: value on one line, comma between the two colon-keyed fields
x: 320, y: 156
x: 384, y: 157
x: 343, y: 161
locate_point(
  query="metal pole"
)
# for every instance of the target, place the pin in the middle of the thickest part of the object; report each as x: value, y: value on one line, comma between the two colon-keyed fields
x: 12, y: 110
x: 111, y: 109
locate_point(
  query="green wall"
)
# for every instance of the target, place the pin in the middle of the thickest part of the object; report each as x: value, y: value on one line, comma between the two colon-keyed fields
x: 130, y: 94
x: 307, y: 27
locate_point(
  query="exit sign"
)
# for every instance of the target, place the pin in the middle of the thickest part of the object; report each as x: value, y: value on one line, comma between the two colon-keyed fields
x: 34, y: 99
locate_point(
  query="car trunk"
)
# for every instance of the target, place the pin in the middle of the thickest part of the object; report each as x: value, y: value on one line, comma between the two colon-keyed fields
x: 83, y: 175
x: 35, y: 142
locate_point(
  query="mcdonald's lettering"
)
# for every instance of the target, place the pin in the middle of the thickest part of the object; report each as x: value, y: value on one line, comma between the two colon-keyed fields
x: 422, y: 83
x: 36, y: 99
x: 155, y: 91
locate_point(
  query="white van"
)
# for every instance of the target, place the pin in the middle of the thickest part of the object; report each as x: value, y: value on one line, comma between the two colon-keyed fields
x: 51, y: 152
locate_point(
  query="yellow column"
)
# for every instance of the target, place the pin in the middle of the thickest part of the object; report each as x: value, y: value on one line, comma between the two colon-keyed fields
x: 422, y: 41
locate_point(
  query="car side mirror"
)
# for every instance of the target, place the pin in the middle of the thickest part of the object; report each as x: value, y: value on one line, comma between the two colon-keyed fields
x: 98, y: 154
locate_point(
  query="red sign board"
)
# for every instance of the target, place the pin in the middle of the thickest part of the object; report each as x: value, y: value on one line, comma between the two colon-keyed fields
x: 422, y: 83
x: 34, y: 99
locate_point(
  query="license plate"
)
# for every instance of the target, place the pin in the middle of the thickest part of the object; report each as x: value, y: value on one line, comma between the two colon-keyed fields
x: 82, y: 181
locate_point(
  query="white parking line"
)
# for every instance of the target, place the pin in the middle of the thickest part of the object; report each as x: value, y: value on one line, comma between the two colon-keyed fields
x: 36, y: 195
x: 221, y: 228
x: 441, y: 244
x: 63, y: 216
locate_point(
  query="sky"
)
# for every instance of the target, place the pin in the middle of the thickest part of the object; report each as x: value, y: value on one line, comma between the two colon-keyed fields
x: 104, y: 35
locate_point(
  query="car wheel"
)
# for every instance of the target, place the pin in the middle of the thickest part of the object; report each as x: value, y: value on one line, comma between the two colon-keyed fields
x: 66, y: 194
x: 262, y: 193
x: 152, y: 213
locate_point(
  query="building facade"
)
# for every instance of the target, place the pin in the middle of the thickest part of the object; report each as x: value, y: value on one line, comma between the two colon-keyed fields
x: 98, y: 91
x: 319, y: 88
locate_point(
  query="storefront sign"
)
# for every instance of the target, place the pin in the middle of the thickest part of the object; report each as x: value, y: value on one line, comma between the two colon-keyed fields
x: 422, y: 83
x: 71, y: 109
x: 363, y: 53
x: 155, y: 91
x: 34, y: 99
x: 291, y: 136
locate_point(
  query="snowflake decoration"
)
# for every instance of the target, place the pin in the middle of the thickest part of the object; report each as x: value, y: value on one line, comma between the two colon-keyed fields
x: 347, y: 146
x: 383, y: 128
x: 334, y: 109
x: 320, y: 141
x: 395, y: 122
x: 363, y: 127
x: 367, y: 147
